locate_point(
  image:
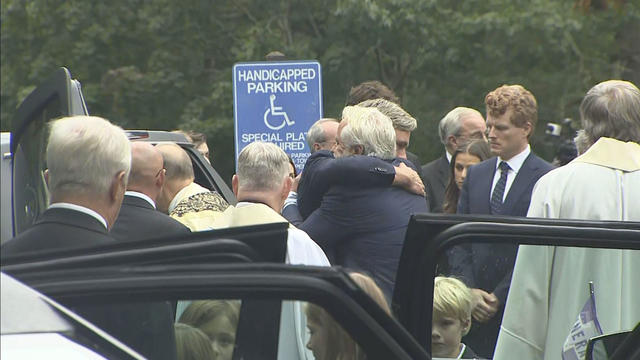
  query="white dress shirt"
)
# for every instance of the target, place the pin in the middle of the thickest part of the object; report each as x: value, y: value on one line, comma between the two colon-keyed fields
x: 515, y: 163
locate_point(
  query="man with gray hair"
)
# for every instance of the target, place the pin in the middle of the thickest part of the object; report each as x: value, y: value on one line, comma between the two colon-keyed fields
x: 403, y: 123
x: 184, y: 200
x: 320, y: 175
x: 88, y: 162
x: 549, y: 284
x: 322, y: 134
x: 364, y: 227
x: 261, y: 185
x: 457, y: 127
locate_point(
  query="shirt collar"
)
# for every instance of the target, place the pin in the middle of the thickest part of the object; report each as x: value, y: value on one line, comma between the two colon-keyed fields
x: 141, y: 196
x: 82, y: 209
x: 515, y: 163
x: 449, y: 156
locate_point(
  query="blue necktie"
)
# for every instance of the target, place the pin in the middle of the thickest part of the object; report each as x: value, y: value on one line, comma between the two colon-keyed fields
x: 498, y: 191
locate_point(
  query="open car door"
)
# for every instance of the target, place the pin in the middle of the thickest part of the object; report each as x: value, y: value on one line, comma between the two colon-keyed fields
x: 267, y: 302
x: 58, y: 96
x: 430, y: 237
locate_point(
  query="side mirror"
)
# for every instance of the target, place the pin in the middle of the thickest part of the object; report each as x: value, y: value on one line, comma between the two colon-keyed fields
x: 620, y: 345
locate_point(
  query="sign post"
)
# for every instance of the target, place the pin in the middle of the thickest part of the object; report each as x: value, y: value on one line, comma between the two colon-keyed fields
x: 277, y: 102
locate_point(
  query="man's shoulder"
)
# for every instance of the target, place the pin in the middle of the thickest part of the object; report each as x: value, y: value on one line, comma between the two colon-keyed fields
x: 52, y: 236
x: 486, y: 167
x: 147, y: 219
x: 206, y: 201
x: 434, y: 163
x: 539, y: 162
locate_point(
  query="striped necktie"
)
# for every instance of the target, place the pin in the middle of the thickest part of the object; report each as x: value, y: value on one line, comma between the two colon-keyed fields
x: 498, y: 191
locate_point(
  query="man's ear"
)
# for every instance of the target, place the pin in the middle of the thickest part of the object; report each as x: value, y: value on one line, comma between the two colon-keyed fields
x: 160, y: 179
x: 118, y: 187
x: 234, y: 184
x: 527, y: 128
x: 452, y: 141
x: 46, y: 176
x: 466, y: 326
x: 286, y: 187
x: 316, y: 146
x: 358, y: 149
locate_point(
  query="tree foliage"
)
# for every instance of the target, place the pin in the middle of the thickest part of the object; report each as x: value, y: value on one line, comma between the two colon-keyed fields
x: 161, y: 64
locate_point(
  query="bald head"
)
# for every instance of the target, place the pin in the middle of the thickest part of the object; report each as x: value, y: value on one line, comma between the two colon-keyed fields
x: 176, y: 162
x: 146, y: 167
x: 178, y: 173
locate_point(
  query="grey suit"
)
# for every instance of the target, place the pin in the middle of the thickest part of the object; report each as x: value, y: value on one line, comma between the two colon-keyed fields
x: 436, y: 176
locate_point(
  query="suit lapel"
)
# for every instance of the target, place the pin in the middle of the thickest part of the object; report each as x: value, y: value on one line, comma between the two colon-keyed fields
x: 484, y: 185
x: 443, y: 171
x: 520, y: 184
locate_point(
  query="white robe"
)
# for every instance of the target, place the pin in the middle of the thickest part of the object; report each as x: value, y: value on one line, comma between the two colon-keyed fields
x: 550, y: 284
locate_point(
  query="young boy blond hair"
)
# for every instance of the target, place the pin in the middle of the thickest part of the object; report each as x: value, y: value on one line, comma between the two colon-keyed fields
x: 452, y: 305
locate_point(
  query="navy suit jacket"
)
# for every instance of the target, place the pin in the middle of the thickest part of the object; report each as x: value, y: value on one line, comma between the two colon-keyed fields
x: 139, y: 220
x: 364, y: 229
x: 322, y: 170
x: 436, y: 177
x: 490, y: 266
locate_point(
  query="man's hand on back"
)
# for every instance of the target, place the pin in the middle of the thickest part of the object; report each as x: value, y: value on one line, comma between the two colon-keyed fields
x: 408, y: 179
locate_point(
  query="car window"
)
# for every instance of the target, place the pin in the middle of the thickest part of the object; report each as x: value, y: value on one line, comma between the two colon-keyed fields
x: 254, y: 329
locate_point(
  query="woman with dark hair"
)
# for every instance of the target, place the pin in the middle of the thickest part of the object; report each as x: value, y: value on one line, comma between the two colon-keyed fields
x: 467, y: 154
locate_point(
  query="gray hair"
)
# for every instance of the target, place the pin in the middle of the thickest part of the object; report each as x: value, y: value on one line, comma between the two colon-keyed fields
x: 177, y: 162
x: 369, y: 128
x: 400, y: 119
x: 316, y: 132
x: 262, y: 166
x: 85, y: 153
x: 612, y: 109
x: 452, y: 122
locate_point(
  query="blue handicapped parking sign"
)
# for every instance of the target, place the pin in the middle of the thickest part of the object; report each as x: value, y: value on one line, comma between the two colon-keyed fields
x: 277, y: 102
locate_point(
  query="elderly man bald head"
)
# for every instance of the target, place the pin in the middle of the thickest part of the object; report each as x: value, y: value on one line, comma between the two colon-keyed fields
x: 138, y: 217
x: 183, y: 199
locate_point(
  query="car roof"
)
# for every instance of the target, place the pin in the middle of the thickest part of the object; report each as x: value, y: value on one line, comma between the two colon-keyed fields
x: 24, y: 310
x: 156, y: 136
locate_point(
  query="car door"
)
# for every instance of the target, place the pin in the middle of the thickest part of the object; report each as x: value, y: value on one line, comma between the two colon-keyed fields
x: 262, y: 292
x: 59, y: 95
x: 431, y: 236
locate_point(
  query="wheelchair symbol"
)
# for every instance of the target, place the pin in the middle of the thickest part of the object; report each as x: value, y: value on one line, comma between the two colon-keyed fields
x: 275, y: 111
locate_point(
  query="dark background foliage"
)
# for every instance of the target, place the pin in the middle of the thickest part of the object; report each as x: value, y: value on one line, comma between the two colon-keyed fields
x: 161, y: 64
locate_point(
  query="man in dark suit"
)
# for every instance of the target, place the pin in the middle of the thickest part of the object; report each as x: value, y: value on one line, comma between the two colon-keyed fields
x: 459, y: 126
x: 88, y: 162
x: 86, y: 198
x: 498, y: 186
x: 364, y: 228
x: 138, y: 218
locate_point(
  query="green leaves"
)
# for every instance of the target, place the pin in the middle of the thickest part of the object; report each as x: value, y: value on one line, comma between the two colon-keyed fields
x: 161, y: 64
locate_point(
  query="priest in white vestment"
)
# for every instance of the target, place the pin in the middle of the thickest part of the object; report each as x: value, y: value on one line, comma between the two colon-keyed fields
x: 549, y: 286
